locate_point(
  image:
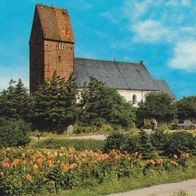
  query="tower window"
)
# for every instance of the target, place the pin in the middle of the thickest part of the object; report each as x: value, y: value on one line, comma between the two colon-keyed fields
x: 59, y: 59
x: 60, y: 46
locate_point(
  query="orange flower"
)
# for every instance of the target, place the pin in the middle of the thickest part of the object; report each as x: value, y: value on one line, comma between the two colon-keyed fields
x: 8, y: 149
x: 5, y: 165
x: 35, y: 169
x: 173, y: 163
x: 15, y: 163
x: 62, y: 149
x: 158, y: 161
x: 147, y: 162
x: 28, y: 177
x: 187, y: 155
x: 152, y: 162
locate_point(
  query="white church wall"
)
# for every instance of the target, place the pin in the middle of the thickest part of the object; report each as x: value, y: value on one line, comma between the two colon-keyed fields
x: 129, y: 95
x: 133, y: 96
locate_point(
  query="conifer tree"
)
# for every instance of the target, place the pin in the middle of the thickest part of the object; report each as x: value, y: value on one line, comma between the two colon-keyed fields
x: 55, y: 105
x: 144, y: 146
x: 15, y: 102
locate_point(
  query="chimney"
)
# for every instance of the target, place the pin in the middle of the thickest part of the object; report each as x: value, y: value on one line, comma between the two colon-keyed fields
x: 141, y: 62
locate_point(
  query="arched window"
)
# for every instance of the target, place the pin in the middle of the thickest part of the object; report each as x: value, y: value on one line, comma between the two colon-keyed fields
x: 134, y: 99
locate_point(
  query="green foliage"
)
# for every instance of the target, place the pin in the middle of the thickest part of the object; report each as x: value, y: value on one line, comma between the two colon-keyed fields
x: 121, y: 142
x: 180, y: 142
x: 78, y: 129
x: 78, y: 144
x: 15, y: 102
x: 101, y: 104
x: 145, y: 147
x: 186, y: 108
x: 159, y: 139
x: 55, y: 105
x: 159, y: 106
x: 116, y: 142
x: 14, y: 133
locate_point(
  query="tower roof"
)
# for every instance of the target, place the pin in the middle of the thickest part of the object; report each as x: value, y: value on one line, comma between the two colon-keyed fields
x: 55, y: 23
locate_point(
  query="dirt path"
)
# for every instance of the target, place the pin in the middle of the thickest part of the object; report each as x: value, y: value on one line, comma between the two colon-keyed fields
x: 188, y: 186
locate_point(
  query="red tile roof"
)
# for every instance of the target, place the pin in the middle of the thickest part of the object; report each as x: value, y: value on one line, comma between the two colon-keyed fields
x: 55, y: 23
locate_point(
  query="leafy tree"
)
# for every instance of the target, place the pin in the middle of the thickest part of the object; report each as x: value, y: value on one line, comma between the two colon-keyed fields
x: 101, y: 104
x: 144, y: 146
x: 159, y: 106
x: 15, y: 102
x: 186, y: 108
x: 55, y: 104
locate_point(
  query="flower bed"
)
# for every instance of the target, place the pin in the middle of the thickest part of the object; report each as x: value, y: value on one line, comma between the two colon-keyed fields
x: 28, y: 171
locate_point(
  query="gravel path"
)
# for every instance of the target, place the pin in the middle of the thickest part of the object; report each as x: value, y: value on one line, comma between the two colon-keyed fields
x: 188, y: 186
x: 86, y: 137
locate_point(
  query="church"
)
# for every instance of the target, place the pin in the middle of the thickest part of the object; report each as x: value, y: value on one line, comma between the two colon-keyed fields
x: 52, y: 50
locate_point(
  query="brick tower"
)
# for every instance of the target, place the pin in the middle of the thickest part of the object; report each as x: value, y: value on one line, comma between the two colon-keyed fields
x: 51, y: 45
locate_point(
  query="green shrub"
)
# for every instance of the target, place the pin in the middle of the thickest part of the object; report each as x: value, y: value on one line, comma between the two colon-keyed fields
x: 78, y: 129
x: 144, y: 146
x: 78, y: 144
x: 116, y: 142
x: 159, y: 139
x: 180, y: 142
x: 14, y: 133
x: 132, y: 143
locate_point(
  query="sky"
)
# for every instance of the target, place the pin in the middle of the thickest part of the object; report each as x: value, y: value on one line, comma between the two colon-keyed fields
x: 162, y: 33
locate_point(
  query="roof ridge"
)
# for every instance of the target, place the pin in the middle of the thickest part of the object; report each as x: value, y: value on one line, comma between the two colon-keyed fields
x: 92, y: 59
x: 52, y: 7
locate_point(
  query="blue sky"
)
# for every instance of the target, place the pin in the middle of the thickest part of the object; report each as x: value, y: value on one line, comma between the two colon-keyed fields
x: 162, y: 33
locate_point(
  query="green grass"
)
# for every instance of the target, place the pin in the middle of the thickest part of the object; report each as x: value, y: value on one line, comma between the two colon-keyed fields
x: 127, y: 184
x: 78, y: 144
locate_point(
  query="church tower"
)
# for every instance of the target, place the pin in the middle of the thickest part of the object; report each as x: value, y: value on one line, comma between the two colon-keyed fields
x: 51, y: 45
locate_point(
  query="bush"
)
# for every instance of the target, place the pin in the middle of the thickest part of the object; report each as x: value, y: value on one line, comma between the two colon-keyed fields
x: 145, y: 147
x: 78, y: 129
x: 180, y: 142
x: 14, y: 133
x: 78, y: 144
x: 159, y: 139
x: 116, y: 142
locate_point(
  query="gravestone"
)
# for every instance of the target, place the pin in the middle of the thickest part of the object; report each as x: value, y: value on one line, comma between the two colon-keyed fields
x: 70, y: 129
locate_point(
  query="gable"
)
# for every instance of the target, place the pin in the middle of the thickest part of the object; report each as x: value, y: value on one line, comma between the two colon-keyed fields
x: 118, y: 75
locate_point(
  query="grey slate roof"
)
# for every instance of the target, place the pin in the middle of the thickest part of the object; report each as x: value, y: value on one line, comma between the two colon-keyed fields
x: 163, y: 87
x: 118, y: 75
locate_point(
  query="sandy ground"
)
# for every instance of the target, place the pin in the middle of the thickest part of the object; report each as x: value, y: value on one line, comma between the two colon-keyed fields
x: 188, y: 186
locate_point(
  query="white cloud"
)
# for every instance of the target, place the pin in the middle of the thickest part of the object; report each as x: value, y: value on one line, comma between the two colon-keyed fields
x: 184, y: 56
x: 151, y: 31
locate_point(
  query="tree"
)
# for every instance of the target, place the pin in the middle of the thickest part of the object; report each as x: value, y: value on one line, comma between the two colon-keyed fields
x: 186, y: 108
x: 159, y: 106
x: 144, y: 146
x: 101, y: 104
x: 55, y: 104
x: 15, y: 102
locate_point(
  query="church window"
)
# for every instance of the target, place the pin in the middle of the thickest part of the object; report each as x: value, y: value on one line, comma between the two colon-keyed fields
x: 134, y: 99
